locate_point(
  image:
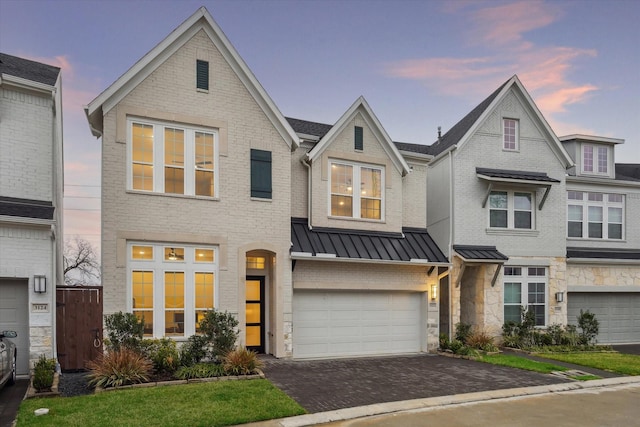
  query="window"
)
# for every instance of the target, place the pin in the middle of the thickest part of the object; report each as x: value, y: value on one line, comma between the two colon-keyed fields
x: 525, y: 287
x: 509, y: 209
x: 358, y: 138
x: 510, y: 134
x: 172, y: 160
x: 171, y: 287
x: 595, y: 215
x: 367, y: 203
x: 595, y: 159
x: 261, y: 174
x: 202, y: 75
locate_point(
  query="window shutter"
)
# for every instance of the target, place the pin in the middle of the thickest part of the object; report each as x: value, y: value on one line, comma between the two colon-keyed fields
x: 202, y: 75
x: 261, y: 174
x: 358, y: 138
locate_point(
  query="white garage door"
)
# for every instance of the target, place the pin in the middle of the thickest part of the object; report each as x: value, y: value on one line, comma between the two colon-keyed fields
x: 335, y: 324
x: 14, y: 316
x: 617, y: 314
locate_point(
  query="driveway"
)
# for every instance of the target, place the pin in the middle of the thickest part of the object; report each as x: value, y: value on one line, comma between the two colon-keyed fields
x: 627, y: 348
x: 10, y: 399
x: 325, y: 385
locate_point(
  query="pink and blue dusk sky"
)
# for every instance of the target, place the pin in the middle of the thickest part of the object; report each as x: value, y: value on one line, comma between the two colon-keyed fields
x: 419, y: 64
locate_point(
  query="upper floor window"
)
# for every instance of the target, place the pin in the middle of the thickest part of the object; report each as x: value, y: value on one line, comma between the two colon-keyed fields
x: 595, y: 215
x: 172, y: 159
x: 511, y: 209
x: 202, y: 75
x: 595, y: 159
x: 510, y: 134
x: 366, y: 201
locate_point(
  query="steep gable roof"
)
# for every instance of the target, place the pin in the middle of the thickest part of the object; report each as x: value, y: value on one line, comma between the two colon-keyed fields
x: 306, y: 127
x: 200, y: 20
x: 28, y: 70
x: 461, y: 132
x: 361, y: 105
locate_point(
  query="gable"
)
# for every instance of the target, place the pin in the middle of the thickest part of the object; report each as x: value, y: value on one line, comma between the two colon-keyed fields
x: 376, y: 143
x: 199, y: 21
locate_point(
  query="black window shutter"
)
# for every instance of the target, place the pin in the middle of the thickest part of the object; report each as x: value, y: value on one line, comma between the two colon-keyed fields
x: 261, y: 174
x: 358, y: 138
x: 202, y: 74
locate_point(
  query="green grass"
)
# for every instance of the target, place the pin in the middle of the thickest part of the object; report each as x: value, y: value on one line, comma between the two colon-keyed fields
x: 626, y: 364
x: 520, y: 363
x: 207, y: 404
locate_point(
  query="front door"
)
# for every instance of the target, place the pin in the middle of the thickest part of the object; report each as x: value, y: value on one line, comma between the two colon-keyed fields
x: 255, y: 313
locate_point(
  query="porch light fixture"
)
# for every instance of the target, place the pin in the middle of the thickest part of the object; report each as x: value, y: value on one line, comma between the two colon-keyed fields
x: 40, y: 284
x: 559, y: 296
x: 434, y: 292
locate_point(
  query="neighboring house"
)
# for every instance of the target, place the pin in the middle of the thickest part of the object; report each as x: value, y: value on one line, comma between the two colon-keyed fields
x: 603, y: 238
x: 314, y: 236
x: 496, y: 191
x: 31, y: 188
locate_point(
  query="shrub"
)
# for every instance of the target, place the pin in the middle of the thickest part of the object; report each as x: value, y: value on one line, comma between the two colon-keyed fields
x: 124, y: 330
x: 118, y: 368
x: 463, y: 331
x: 589, y: 325
x: 43, y: 372
x: 556, y: 333
x: 455, y: 346
x: 220, y: 330
x: 241, y: 362
x: 480, y: 340
x: 194, y: 350
x: 200, y: 370
x: 163, y: 353
x: 444, y: 341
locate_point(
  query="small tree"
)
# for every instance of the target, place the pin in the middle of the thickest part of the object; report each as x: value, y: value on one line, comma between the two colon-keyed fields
x: 220, y: 330
x: 124, y: 330
x: 589, y: 325
x: 81, y: 263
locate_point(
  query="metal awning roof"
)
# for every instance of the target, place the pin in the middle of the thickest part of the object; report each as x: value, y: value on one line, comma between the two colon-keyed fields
x: 475, y: 253
x: 535, y: 179
x: 602, y: 255
x: 413, y: 245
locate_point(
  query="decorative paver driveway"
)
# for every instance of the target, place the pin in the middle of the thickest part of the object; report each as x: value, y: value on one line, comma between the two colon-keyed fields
x: 324, y: 385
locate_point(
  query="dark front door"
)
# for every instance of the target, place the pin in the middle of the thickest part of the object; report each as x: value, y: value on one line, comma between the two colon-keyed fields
x: 255, y: 313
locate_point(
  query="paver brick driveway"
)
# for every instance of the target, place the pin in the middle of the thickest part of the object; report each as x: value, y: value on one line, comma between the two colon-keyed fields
x: 324, y: 385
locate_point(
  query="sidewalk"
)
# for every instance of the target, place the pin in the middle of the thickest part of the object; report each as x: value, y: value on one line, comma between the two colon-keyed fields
x: 396, y: 409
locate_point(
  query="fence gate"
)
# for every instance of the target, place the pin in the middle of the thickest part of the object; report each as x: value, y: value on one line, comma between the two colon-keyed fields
x: 79, y: 325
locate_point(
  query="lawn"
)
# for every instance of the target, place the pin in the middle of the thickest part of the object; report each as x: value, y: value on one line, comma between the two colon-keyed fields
x: 219, y: 403
x: 626, y: 364
x: 513, y: 361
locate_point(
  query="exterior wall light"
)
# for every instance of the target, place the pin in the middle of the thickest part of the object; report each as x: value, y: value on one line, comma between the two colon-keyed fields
x: 559, y: 296
x: 40, y: 284
x: 434, y: 292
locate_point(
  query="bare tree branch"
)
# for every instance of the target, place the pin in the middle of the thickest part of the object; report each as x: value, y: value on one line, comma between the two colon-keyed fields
x: 81, y: 263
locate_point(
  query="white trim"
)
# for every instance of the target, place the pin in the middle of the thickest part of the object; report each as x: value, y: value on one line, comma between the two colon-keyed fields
x: 590, y: 138
x: 603, y: 261
x: 602, y: 289
x: 305, y: 256
x: 25, y: 220
x: 356, y: 196
x: 19, y: 82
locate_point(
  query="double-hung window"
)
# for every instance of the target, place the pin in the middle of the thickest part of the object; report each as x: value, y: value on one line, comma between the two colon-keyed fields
x: 356, y: 190
x: 595, y: 215
x: 171, y: 286
x: 510, y: 134
x: 172, y: 159
x: 595, y: 159
x: 511, y: 209
x: 525, y: 287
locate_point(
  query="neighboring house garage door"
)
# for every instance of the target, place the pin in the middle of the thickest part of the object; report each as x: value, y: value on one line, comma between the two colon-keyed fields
x: 335, y: 324
x: 14, y: 316
x: 616, y: 312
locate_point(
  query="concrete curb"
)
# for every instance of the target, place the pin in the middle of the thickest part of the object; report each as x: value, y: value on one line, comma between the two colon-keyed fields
x: 440, y: 401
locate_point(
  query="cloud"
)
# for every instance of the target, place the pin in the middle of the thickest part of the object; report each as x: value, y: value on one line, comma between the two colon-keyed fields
x: 556, y: 101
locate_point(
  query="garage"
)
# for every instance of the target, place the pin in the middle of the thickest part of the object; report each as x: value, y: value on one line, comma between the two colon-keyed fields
x: 14, y: 316
x: 616, y: 312
x: 344, y: 323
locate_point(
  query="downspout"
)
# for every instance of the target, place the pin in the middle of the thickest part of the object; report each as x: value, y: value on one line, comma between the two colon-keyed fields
x: 451, y: 237
x: 309, y: 210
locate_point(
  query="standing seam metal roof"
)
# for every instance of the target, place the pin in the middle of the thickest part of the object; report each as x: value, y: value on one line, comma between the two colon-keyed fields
x: 479, y: 253
x: 411, y: 244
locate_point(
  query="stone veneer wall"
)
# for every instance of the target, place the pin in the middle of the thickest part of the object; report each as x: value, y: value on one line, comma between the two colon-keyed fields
x: 616, y: 275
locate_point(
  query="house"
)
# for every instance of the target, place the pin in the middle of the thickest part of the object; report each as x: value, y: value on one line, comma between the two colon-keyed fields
x: 496, y: 190
x: 213, y: 199
x: 31, y: 187
x: 603, y: 237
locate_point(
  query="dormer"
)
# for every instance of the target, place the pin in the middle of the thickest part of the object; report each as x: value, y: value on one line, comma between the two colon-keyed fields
x: 593, y: 155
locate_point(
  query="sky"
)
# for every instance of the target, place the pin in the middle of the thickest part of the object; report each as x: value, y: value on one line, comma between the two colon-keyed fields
x: 419, y: 64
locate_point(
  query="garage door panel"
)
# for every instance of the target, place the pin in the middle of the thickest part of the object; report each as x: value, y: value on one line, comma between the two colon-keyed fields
x: 14, y: 316
x: 617, y: 313
x: 356, y: 323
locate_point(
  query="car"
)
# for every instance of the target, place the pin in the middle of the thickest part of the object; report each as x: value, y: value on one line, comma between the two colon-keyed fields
x: 8, y: 357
